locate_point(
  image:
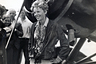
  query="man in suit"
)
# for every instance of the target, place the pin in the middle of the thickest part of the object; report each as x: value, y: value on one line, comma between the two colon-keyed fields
x: 44, y: 36
x: 14, y: 43
x: 3, y: 11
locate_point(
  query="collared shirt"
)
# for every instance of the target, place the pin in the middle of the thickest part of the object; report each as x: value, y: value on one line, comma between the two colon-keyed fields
x: 45, y: 24
x: 26, y: 25
x: 40, y: 31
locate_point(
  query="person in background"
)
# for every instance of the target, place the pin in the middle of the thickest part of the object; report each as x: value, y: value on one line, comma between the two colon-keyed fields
x: 44, y: 36
x: 14, y: 43
x: 24, y: 40
x: 3, y: 11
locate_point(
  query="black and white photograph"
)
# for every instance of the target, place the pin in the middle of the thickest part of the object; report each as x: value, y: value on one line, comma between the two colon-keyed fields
x: 47, y: 31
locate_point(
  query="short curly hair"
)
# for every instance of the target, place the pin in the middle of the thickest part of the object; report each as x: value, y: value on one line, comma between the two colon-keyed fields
x: 41, y: 4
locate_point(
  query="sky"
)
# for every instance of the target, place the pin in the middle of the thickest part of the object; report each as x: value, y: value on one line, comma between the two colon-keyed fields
x: 12, y: 4
x: 87, y: 48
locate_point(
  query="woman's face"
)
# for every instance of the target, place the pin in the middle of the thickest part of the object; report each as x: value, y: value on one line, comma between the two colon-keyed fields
x: 39, y: 14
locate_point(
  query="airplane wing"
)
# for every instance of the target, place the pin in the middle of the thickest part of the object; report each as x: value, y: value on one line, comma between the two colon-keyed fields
x: 81, y: 15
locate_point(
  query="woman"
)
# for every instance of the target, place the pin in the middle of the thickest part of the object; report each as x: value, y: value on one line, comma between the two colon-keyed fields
x: 44, y: 36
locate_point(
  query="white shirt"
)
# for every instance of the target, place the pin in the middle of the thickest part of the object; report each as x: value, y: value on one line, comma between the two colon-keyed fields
x: 26, y: 25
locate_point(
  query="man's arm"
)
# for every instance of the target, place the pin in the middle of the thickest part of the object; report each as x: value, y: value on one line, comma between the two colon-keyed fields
x: 18, y: 29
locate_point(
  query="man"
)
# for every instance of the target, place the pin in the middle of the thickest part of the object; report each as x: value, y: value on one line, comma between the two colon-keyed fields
x: 14, y: 43
x: 44, y: 36
x: 26, y: 25
x: 3, y: 11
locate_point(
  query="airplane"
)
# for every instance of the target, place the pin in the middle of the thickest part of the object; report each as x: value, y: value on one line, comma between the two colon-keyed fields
x: 79, y: 14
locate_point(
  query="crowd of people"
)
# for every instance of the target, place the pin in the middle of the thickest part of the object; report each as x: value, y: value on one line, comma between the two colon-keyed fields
x: 41, y: 36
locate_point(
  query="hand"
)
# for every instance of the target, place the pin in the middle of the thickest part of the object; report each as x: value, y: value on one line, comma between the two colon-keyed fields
x: 15, y: 29
x: 55, y: 61
x: 8, y: 29
x: 0, y: 29
x: 58, y: 60
x: 8, y: 34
